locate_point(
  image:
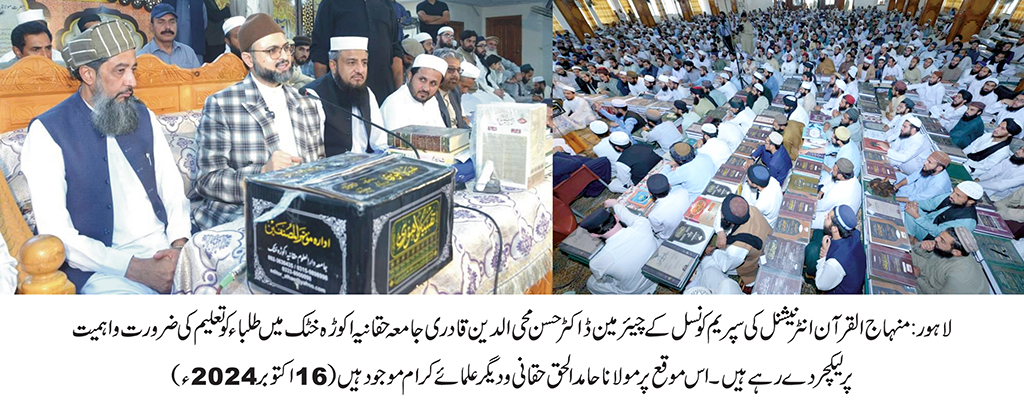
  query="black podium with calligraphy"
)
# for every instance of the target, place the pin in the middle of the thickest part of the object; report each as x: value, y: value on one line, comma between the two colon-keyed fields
x: 349, y: 224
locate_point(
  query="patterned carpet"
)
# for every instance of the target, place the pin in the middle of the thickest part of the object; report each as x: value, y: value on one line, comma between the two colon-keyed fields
x: 571, y: 276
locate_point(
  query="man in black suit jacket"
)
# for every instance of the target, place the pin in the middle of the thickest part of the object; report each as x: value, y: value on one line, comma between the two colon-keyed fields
x: 448, y: 94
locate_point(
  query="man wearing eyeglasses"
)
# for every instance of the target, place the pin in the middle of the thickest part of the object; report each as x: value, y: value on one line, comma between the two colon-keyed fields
x: 258, y: 125
x: 446, y: 38
x: 165, y: 29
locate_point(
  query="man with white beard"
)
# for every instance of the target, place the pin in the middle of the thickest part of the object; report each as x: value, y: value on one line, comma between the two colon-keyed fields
x: 102, y: 176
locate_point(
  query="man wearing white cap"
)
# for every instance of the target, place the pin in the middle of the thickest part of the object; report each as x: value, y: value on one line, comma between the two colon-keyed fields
x: 231, y: 27
x: 712, y: 146
x: 540, y: 88
x: 414, y: 102
x: 665, y: 93
x: 471, y: 96
x: 624, y: 119
x: 771, y: 83
x: 634, y: 163
x: 102, y: 176
x: 756, y: 100
x: 725, y: 86
x: 424, y: 39
x: 346, y: 88
x: 30, y: 37
x: 604, y: 147
x: 805, y: 95
x: 926, y: 219
x: 574, y: 106
x: 372, y: 19
x: 446, y: 38
x: 255, y: 126
x: 911, y: 149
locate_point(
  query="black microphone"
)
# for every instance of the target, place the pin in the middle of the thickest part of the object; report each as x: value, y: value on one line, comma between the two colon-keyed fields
x: 305, y: 91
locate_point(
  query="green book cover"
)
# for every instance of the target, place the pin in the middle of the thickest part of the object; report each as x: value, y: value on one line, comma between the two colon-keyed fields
x: 997, y: 250
x: 1008, y: 279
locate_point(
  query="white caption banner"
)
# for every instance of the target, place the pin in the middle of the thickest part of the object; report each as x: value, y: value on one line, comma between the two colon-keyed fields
x: 510, y: 348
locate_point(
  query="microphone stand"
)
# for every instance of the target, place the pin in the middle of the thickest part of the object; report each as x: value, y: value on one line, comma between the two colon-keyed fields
x: 306, y: 92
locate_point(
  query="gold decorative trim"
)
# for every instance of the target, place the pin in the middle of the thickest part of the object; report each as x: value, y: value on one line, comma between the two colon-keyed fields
x: 35, y: 84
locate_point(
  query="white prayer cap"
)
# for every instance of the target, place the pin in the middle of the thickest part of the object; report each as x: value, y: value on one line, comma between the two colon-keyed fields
x: 649, y: 78
x: 971, y: 189
x: 445, y: 29
x: 575, y: 68
x: 723, y: 75
x: 759, y: 76
x: 232, y: 23
x: 599, y: 127
x: 674, y: 79
x: 564, y: 87
x: 619, y: 138
x: 708, y: 128
x: 770, y: 51
x: 536, y: 79
x: 914, y: 121
x: 31, y: 15
x: 853, y: 70
x: 627, y: 59
x: 422, y: 36
x: 621, y: 72
x: 832, y: 273
x: 663, y: 79
x: 354, y: 43
x: 428, y: 61
x: 841, y: 84
x: 769, y: 68
x: 805, y: 85
x: 618, y: 103
x: 759, y: 87
x: 702, y: 53
x: 775, y: 138
x: 471, y: 71
x: 727, y: 68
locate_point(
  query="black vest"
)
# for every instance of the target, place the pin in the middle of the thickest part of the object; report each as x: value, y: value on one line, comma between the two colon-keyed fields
x: 89, y: 199
x: 640, y: 158
x: 954, y: 212
x: 640, y: 121
x: 338, y: 124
